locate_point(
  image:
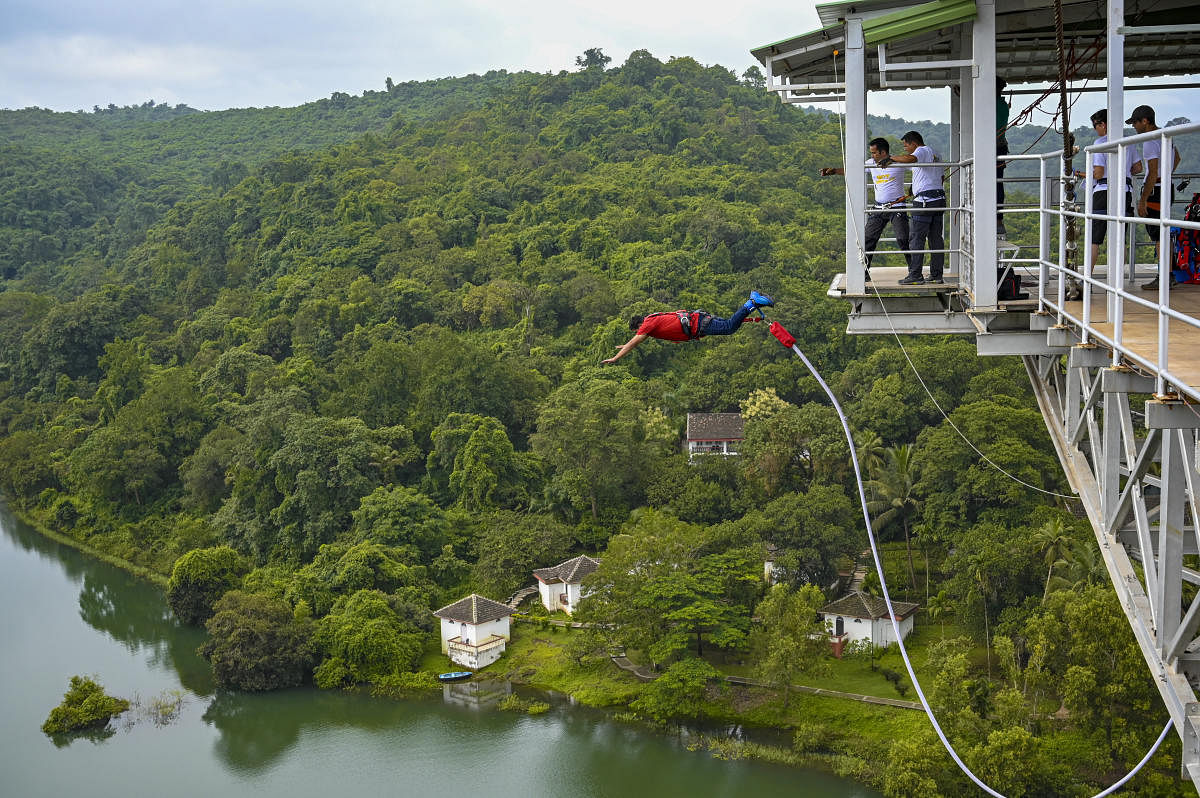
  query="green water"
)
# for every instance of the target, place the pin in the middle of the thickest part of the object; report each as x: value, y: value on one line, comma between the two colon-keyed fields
x: 63, y: 614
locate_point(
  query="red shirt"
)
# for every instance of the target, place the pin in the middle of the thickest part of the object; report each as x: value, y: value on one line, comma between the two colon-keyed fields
x: 666, y: 326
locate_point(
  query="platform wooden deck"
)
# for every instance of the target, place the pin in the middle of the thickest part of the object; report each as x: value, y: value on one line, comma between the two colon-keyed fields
x: 1140, y: 329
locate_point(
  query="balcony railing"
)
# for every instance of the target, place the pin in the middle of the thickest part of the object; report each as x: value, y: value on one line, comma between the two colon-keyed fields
x: 487, y: 644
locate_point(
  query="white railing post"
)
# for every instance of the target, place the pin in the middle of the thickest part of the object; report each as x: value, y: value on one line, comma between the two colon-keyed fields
x: 856, y: 149
x: 983, y: 51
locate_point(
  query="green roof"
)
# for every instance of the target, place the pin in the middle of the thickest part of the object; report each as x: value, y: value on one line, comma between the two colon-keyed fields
x: 917, y: 19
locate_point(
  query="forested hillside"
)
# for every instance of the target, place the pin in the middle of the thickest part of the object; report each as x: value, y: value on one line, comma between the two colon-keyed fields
x: 329, y: 382
x: 81, y: 188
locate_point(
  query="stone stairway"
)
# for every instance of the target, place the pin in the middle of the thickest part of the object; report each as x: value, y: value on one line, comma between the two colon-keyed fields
x: 515, y: 599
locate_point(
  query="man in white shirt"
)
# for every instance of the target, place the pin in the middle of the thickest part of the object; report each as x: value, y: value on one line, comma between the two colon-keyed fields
x: 1152, y: 196
x: 888, y: 182
x: 1100, y: 161
x: 929, y: 203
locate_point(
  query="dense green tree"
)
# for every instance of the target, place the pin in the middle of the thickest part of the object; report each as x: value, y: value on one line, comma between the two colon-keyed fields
x: 322, y: 470
x: 473, y: 464
x: 667, y: 587
x: 812, y: 532
x: 366, y: 636
x: 679, y: 692
x: 894, y: 502
x: 600, y: 440
x: 789, y: 639
x: 199, y: 579
x: 794, y: 447
x: 959, y: 487
x: 512, y: 544
x: 255, y: 643
x: 400, y: 516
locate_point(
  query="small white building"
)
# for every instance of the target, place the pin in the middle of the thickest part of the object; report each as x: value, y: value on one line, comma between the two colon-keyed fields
x: 714, y: 433
x: 860, y: 616
x: 475, y: 630
x: 561, y: 587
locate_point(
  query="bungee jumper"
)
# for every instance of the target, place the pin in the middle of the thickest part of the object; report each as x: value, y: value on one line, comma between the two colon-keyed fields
x: 688, y: 325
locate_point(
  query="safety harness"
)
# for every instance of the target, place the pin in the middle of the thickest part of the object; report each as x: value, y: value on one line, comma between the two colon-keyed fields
x: 693, y: 324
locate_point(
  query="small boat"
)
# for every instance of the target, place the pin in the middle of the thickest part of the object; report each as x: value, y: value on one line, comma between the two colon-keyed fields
x: 454, y: 676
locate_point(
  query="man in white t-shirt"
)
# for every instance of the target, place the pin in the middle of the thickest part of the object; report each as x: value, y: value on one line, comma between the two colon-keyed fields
x: 1100, y: 161
x: 1152, y: 196
x: 929, y: 204
x: 888, y: 182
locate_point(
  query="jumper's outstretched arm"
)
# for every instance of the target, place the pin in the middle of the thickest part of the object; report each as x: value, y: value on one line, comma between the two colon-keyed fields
x: 627, y: 348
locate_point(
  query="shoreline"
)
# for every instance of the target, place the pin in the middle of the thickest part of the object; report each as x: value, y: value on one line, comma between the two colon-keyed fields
x: 140, y: 571
x: 606, y: 687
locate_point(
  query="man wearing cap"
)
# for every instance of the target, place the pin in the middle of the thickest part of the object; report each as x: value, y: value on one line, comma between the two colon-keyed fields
x: 1100, y: 161
x: 1151, y: 199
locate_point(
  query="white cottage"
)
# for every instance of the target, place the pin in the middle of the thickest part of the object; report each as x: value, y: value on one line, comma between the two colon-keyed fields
x: 859, y: 616
x: 561, y: 587
x: 475, y: 630
x: 714, y: 433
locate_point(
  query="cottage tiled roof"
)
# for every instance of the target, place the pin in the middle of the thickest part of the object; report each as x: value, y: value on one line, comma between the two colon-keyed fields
x: 573, y: 570
x: 715, y: 427
x: 862, y: 605
x: 474, y: 609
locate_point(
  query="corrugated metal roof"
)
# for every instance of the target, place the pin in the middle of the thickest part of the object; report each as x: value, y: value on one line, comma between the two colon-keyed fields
x: 908, y: 22
x: 1025, y: 43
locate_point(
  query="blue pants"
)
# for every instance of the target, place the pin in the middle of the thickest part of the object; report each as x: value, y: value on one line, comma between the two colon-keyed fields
x: 715, y: 325
x: 926, y: 223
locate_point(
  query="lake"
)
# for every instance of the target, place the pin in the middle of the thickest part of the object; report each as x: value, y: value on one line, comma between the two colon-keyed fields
x: 62, y: 613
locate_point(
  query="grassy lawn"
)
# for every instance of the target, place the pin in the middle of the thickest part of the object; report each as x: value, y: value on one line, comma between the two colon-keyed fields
x: 855, y: 675
x: 538, y: 657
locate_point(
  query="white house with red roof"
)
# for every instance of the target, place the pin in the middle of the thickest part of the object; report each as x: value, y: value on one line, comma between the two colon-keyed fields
x: 561, y: 587
x: 475, y: 630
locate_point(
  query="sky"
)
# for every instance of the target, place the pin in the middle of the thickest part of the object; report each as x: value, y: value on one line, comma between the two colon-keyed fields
x: 69, y: 55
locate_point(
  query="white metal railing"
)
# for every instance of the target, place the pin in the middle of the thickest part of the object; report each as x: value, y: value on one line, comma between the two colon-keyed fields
x: 1110, y: 281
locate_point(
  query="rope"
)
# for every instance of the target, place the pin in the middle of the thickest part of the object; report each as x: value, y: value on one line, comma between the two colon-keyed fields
x: 787, y: 340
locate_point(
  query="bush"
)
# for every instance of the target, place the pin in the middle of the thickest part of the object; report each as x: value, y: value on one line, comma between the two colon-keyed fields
x: 199, y: 578
x: 399, y: 685
x: 84, y: 706
x: 514, y: 703
x: 255, y: 643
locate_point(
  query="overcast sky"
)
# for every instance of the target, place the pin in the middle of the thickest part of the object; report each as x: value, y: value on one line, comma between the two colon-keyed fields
x: 68, y: 55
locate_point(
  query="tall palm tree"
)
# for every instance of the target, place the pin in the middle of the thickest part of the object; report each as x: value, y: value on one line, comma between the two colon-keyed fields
x: 870, y: 452
x: 982, y: 586
x: 1054, y: 544
x: 892, y: 499
x: 938, y: 607
x: 1079, y: 567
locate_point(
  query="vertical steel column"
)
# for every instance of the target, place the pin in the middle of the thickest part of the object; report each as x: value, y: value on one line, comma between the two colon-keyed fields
x: 983, y: 51
x: 956, y: 193
x: 1116, y: 128
x: 966, y: 174
x: 1170, y: 537
x: 1108, y: 460
x: 856, y: 153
